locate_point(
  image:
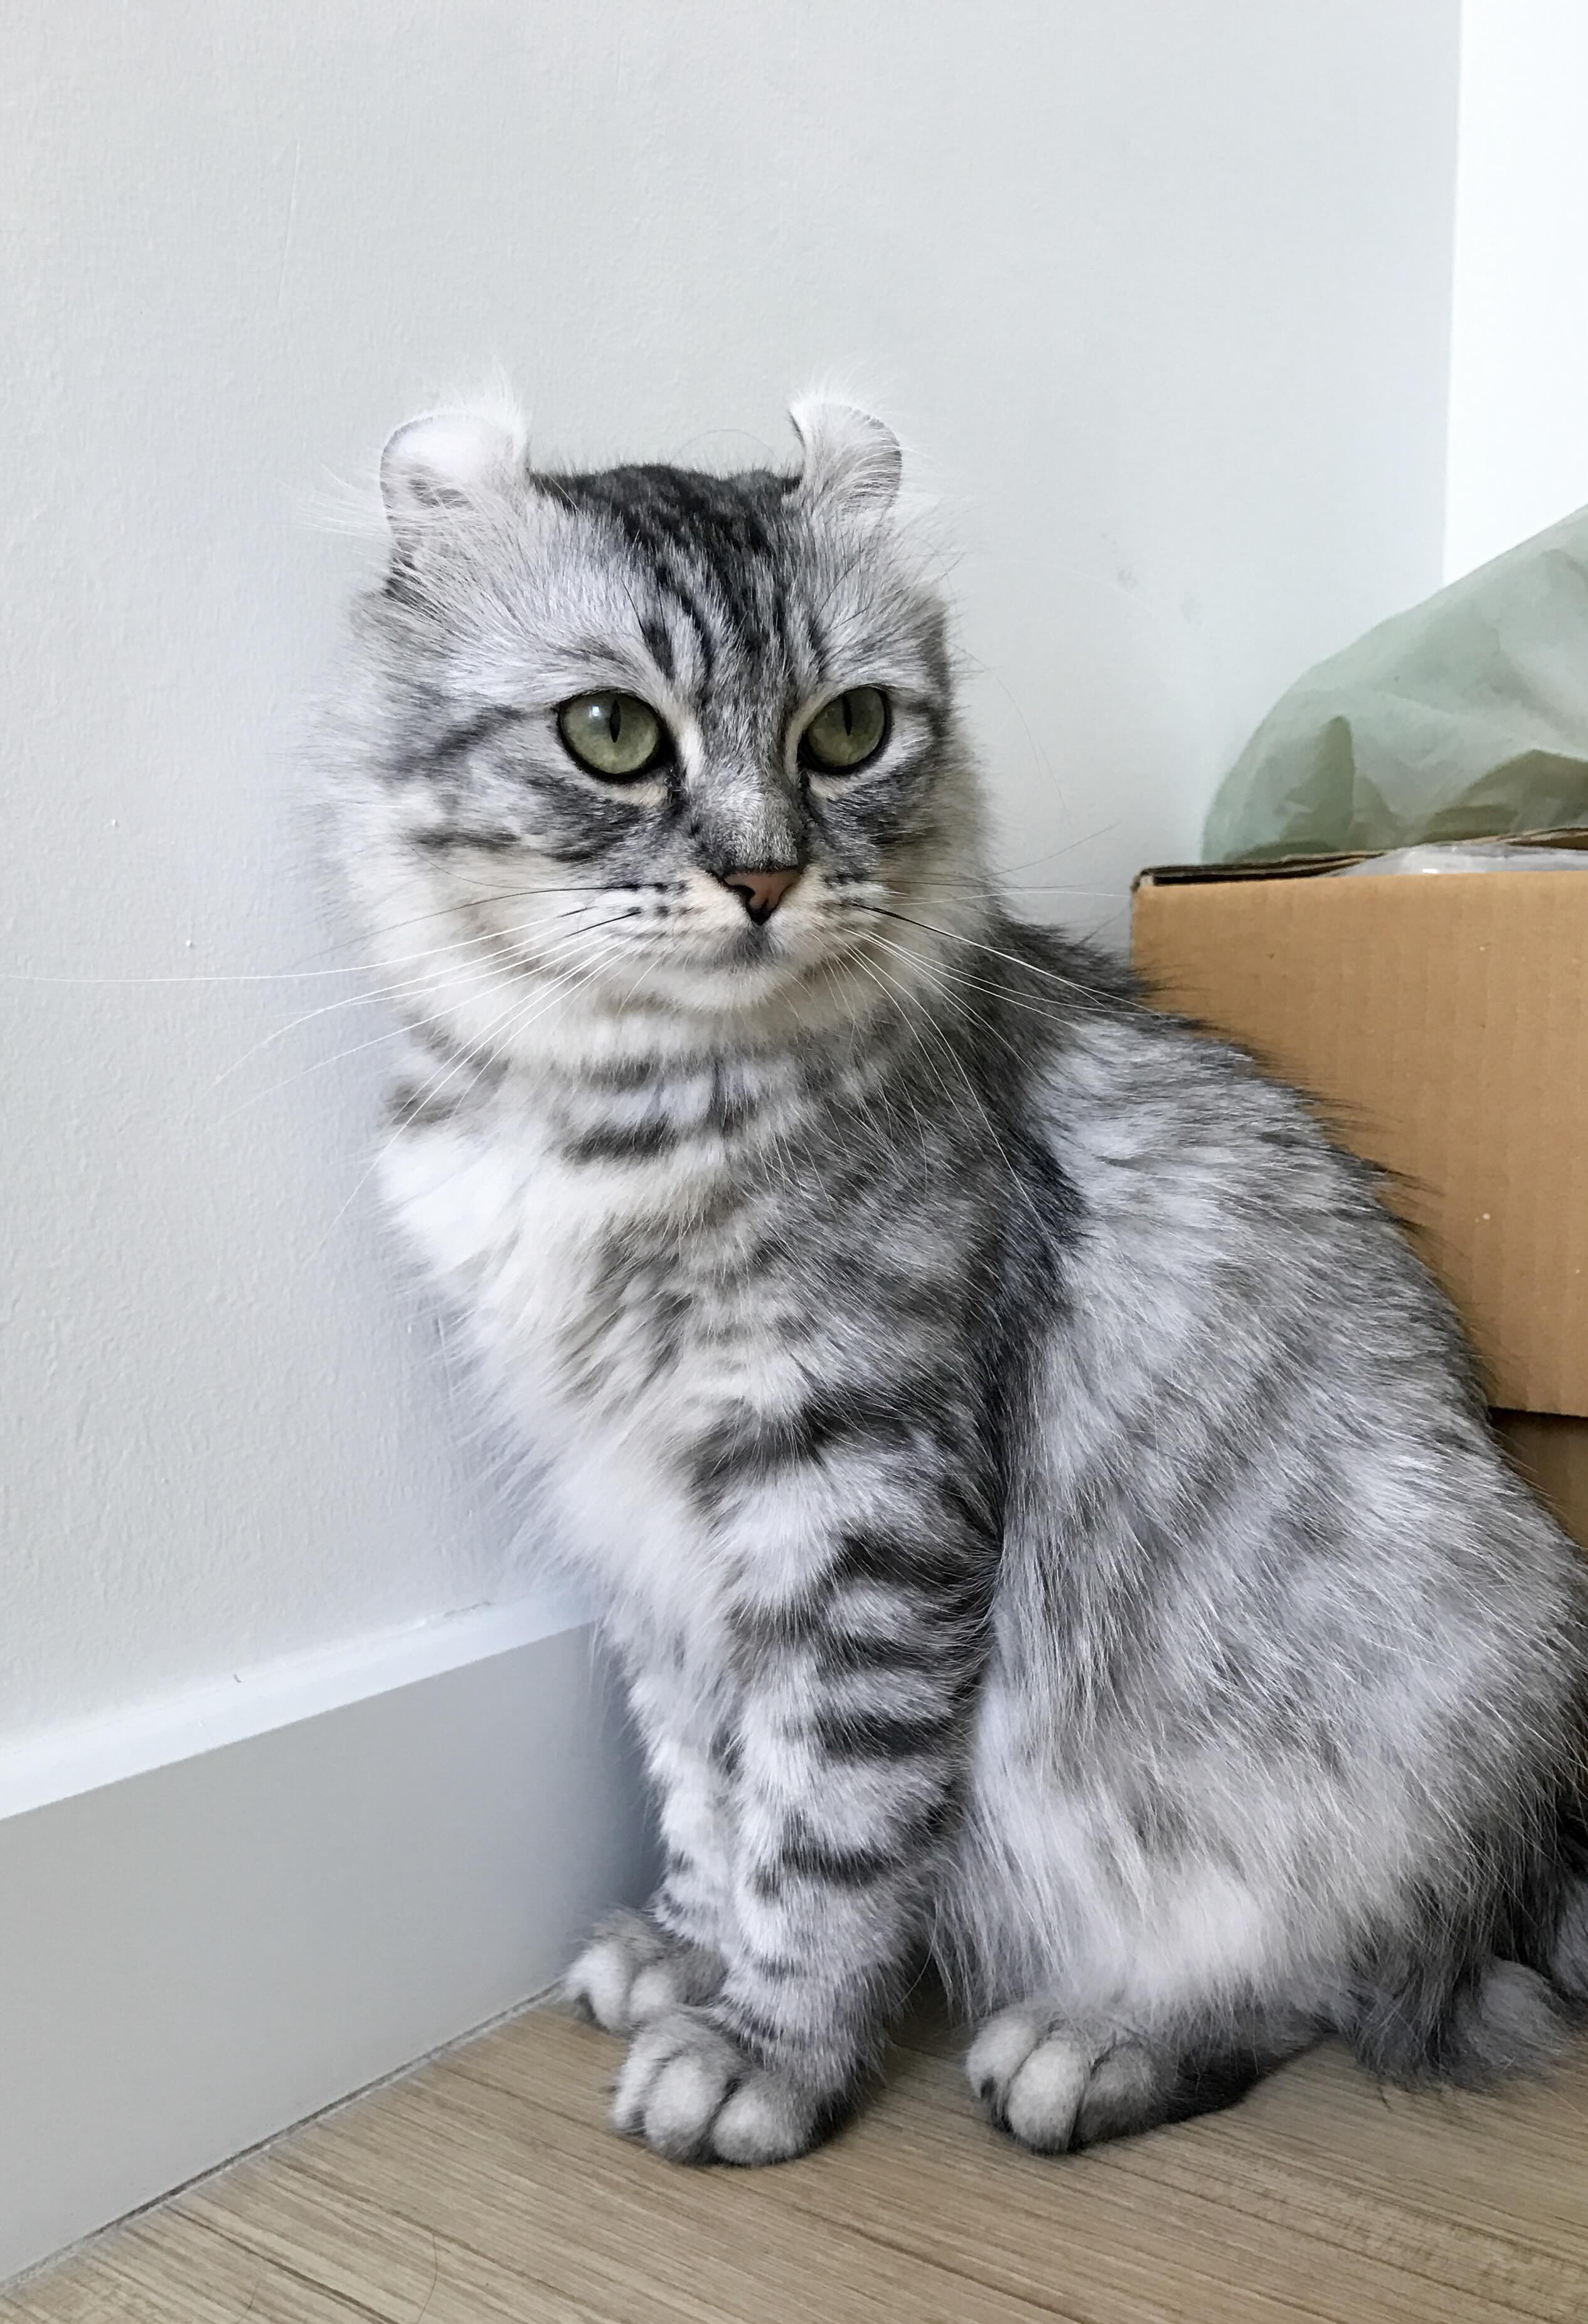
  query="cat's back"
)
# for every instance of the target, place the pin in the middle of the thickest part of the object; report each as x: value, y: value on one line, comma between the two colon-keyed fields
x: 1215, y: 1189
x: 1248, y: 1389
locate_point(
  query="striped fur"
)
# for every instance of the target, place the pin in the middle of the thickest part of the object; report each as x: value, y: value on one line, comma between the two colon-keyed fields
x: 1042, y: 1504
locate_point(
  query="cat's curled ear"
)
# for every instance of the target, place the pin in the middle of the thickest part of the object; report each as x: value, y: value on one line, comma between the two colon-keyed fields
x: 850, y: 456
x: 440, y: 466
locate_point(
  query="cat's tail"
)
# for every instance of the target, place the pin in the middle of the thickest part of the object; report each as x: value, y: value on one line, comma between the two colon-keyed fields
x: 1568, y: 1947
x: 1511, y: 2005
x: 1501, y: 2018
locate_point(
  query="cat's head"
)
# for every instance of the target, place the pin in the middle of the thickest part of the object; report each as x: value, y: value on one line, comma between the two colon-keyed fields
x: 650, y: 748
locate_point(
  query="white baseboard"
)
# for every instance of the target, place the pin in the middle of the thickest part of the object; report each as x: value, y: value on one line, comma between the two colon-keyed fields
x: 199, y: 1954
x: 52, y: 1763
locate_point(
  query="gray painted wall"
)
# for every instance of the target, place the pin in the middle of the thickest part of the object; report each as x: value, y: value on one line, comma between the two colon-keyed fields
x: 1160, y: 289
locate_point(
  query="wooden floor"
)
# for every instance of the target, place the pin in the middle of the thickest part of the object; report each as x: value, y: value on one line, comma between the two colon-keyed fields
x: 486, y: 2187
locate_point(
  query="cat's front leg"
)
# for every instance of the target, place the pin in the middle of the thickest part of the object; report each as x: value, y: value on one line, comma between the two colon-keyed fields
x: 854, y: 1691
x: 634, y: 1970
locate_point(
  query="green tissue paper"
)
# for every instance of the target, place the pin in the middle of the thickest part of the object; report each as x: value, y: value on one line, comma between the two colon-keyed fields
x: 1466, y: 716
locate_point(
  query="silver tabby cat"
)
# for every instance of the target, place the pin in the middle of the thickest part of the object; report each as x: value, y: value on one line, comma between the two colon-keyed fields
x: 1042, y: 1506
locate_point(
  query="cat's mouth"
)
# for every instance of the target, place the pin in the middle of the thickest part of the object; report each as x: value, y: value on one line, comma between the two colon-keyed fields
x: 750, y: 947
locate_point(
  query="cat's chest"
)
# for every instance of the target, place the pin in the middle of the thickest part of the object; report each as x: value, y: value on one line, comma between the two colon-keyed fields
x: 621, y: 1297
x: 619, y: 1311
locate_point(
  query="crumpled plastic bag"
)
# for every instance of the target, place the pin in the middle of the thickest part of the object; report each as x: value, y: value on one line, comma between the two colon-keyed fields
x: 1465, y: 855
x: 1466, y: 716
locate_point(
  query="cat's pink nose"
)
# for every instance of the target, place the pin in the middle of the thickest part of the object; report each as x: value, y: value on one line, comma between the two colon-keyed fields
x: 760, y: 892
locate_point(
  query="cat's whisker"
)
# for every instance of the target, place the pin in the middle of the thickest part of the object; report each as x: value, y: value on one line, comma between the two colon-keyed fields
x: 1015, y: 960
x: 323, y: 1064
x: 1005, y: 884
x: 199, y: 977
x: 507, y: 982
x: 426, y: 984
x: 468, y: 899
x: 944, y: 980
x: 937, y: 970
x: 379, y: 995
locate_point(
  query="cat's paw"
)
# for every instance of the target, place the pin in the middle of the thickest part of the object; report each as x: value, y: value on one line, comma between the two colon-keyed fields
x: 691, y: 2092
x: 1054, y: 2086
x: 632, y: 1972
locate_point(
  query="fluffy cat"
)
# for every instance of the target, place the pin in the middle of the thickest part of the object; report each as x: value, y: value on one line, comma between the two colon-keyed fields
x: 1043, y: 1507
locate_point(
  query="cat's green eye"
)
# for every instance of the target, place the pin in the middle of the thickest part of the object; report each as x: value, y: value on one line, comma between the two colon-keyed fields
x: 613, y: 735
x: 847, y: 731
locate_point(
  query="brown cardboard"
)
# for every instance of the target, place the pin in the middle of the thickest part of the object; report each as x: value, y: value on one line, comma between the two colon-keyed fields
x: 1442, y: 1023
x: 1552, y: 1453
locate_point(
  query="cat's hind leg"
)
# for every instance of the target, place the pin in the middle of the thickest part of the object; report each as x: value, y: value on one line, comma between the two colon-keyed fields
x: 1056, y: 2084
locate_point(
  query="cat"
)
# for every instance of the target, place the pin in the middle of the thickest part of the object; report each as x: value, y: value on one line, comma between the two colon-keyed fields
x: 1043, y: 1507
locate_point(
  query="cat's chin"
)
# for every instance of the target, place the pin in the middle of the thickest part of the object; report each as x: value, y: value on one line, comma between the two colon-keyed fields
x: 732, y: 990
x: 739, y: 993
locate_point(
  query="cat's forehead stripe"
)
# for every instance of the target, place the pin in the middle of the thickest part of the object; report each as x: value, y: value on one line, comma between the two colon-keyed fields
x: 707, y: 547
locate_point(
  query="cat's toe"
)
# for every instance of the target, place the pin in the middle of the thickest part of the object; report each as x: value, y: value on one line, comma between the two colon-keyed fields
x: 1127, y: 2091
x: 1000, y: 2049
x: 766, y: 2120
x: 602, y: 1979
x: 1056, y: 2086
x: 673, y: 2084
x: 1040, y: 2103
x: 632, y: 1972
x: 1032, y: 2072
x: 692, y: 2094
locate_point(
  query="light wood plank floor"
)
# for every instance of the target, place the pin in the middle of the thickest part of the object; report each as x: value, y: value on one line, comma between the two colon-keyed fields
x: 486, y: 2188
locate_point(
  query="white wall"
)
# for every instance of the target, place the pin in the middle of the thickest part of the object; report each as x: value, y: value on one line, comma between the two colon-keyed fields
x: 196, y: 1957
x: 1519, y: 384
x: 1161, y: 286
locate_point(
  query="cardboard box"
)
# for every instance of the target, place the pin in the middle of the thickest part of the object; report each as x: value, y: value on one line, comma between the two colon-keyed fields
x: 1440, y: 1022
